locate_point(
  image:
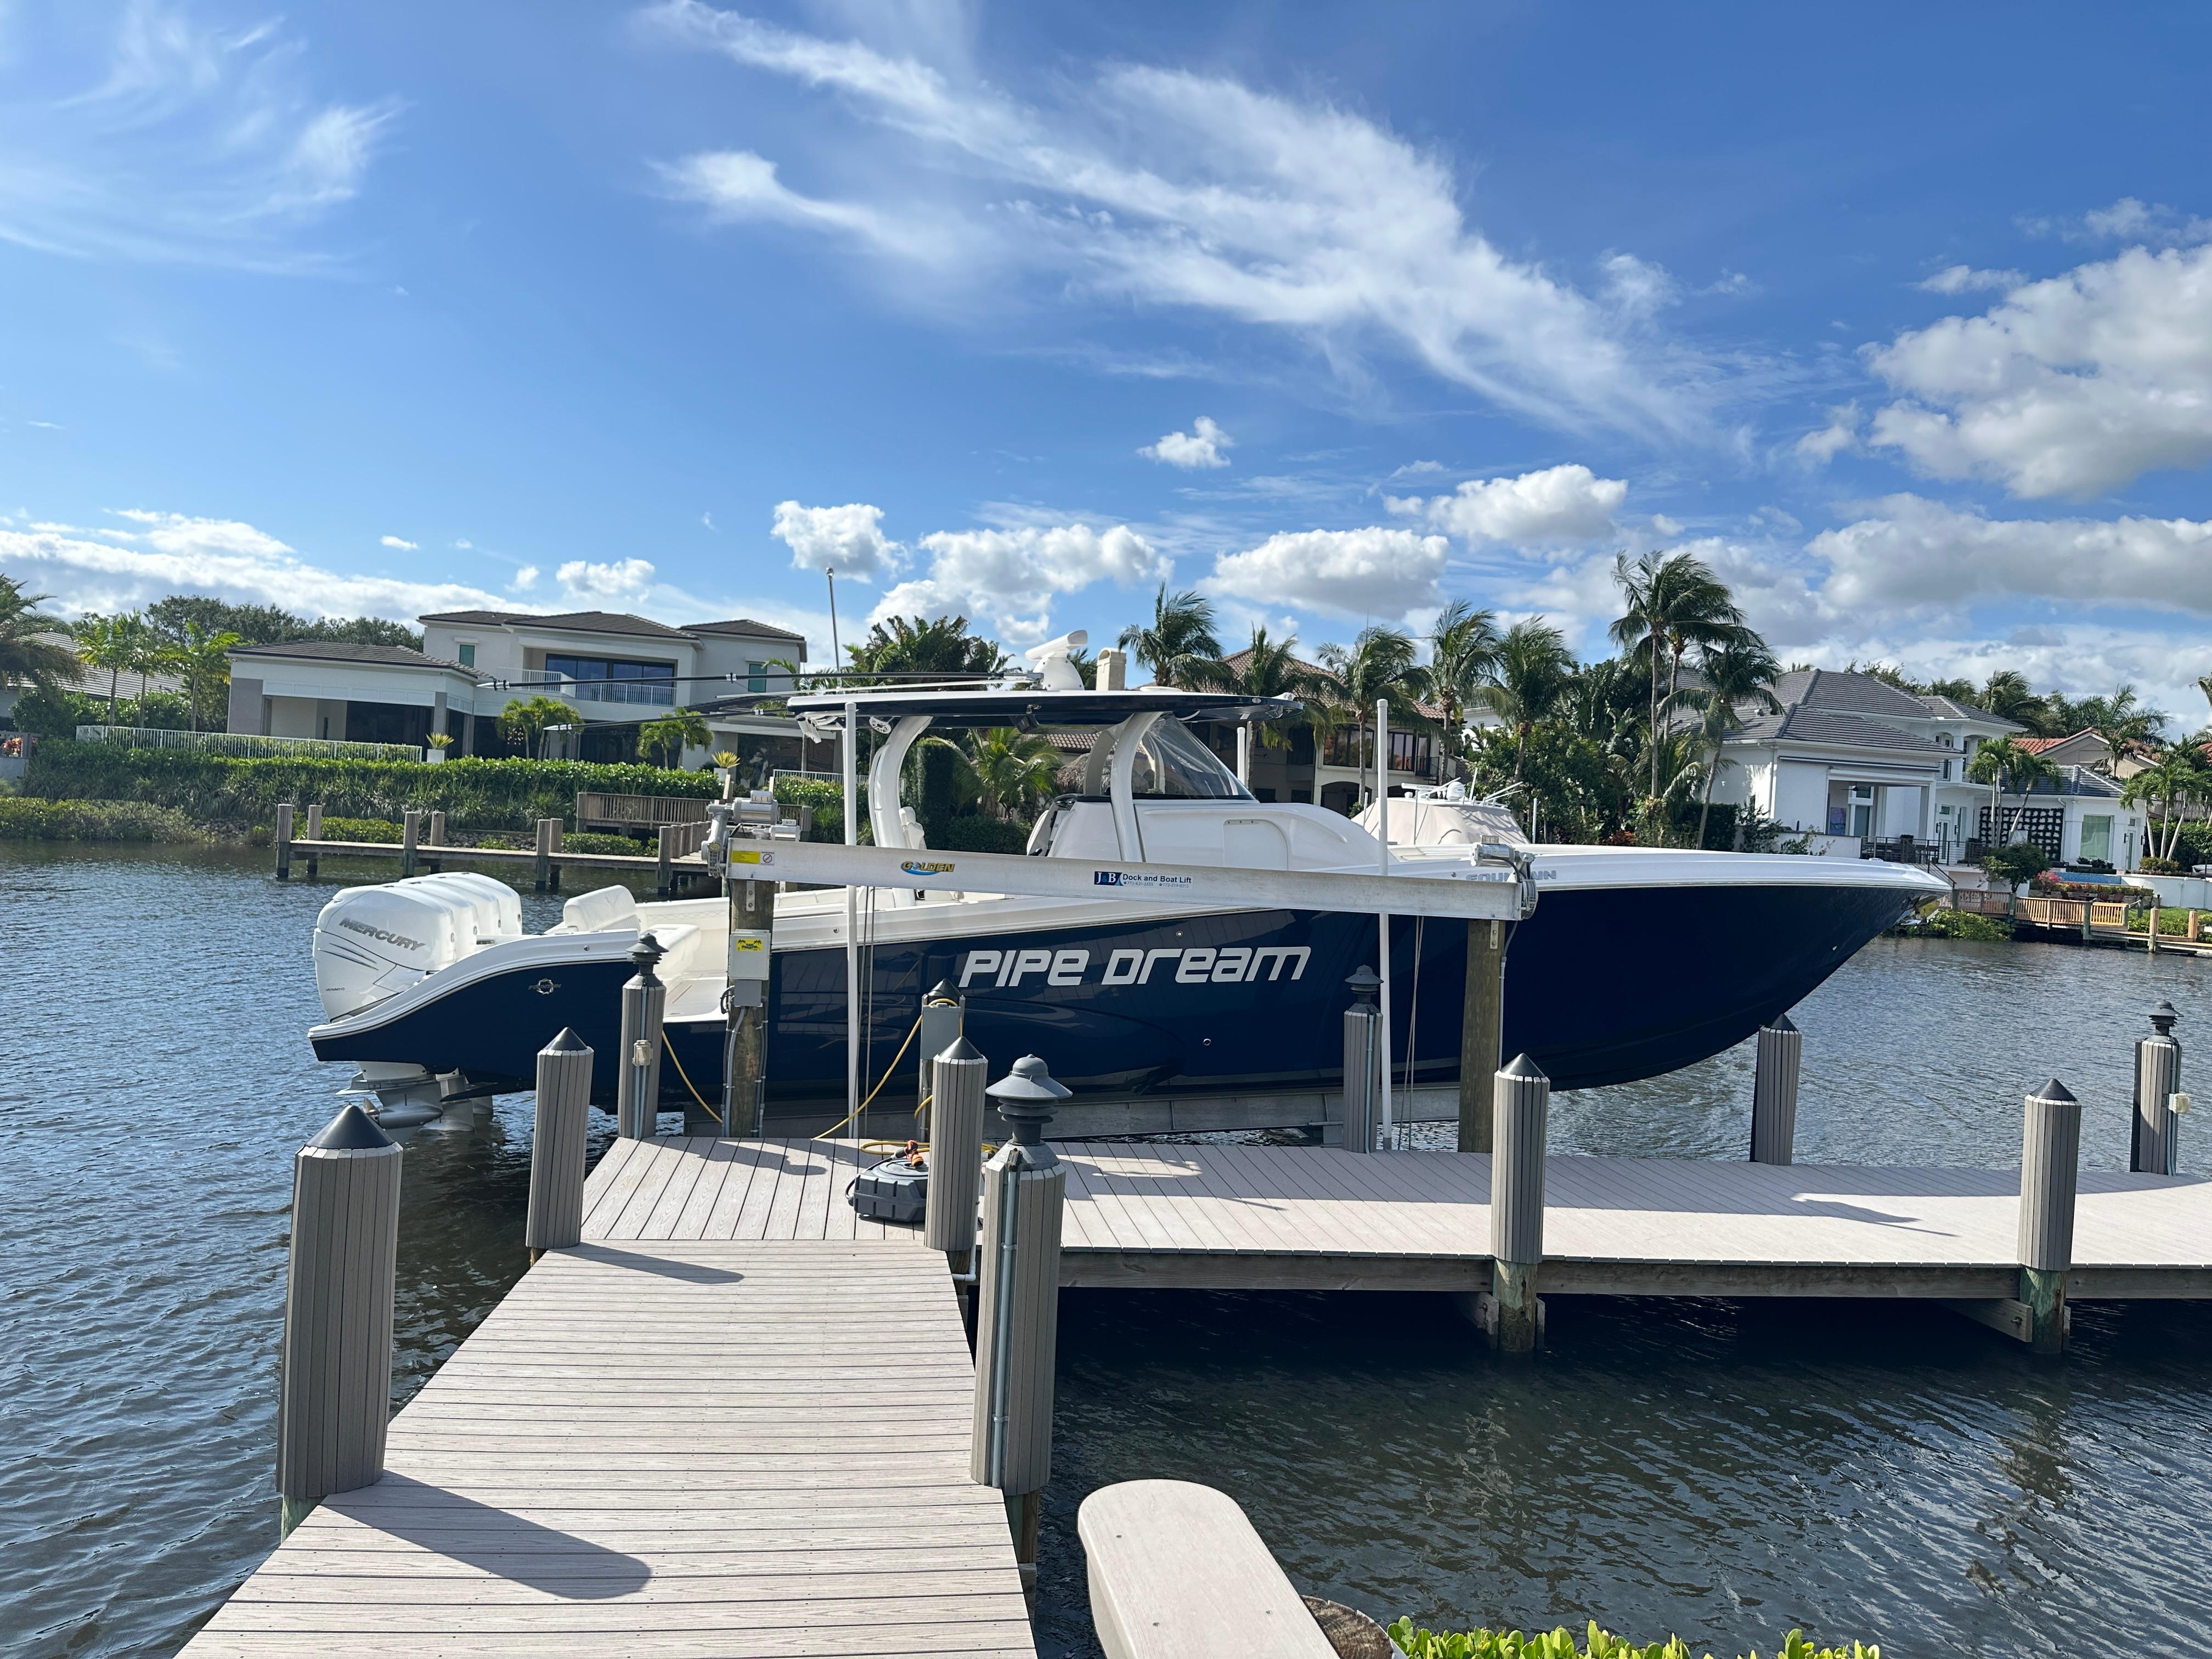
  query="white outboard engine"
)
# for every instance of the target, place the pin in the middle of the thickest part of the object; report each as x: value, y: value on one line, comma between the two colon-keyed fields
x: 371, y: 942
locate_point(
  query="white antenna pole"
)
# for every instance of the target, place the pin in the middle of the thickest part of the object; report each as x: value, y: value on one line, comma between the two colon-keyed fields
x: 1244, y: 754
x: 836, y: 650
x: 851, y: 758
x: 1382, y: 922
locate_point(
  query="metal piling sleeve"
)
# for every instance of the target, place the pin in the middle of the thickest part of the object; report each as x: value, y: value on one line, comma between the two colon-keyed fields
x: 2152, y: 1145
x: 955, y: 1150
x: 1774, y: 1092
x: 2050, y: 1176
x: 1521, y: 1113
x: 1363, y: 1088
x: 557, y: 1148
x: 644, y: 1000
x: 334, y: 1398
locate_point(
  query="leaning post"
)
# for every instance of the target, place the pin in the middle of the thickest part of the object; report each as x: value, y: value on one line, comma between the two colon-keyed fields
x: 1514, y: 1317
x: 284, y: 840
x: 334, y: 1397
x: 314, y: 833
x: 410, y: 837
x: 555, y: 1220
x: 644, y: 1000
x: 1017, y: 1306
x: 2152, y: 1146
x: 2050, y: 1173
x: 1480, y: 1031
x: 1363, y: 1062
x: 1774, y: 1092
x: 956, y: 1151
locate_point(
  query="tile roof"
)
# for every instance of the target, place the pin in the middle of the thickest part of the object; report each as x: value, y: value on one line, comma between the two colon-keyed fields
x: 1954, y: 708
x: 1799, y: 724
x: 743, y: 625
x: 94, y: 682
x: 571, y: 622
x: 346, y: 651
x: 1847, y: 694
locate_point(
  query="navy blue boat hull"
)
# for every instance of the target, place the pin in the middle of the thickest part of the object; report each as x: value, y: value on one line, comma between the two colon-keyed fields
x: 1602, y: 986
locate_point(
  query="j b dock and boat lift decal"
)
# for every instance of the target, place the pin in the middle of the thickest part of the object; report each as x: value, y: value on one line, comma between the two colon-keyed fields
x: 1198, y: 965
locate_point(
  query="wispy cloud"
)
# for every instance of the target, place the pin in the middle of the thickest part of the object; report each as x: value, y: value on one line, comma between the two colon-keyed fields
x: 1201, y: 447
x: 400, y: 543
x: 188, y: 144
x: 1197, y: 192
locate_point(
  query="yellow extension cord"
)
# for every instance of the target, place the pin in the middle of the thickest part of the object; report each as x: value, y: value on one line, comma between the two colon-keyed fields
x: 879, y: 1088
x: 686, y: 1076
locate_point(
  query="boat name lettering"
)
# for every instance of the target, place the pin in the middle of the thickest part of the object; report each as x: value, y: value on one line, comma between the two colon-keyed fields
x: 916, y: 867
x: 1198, y: 965
x: 1135, y: 878
x: 388, y: 937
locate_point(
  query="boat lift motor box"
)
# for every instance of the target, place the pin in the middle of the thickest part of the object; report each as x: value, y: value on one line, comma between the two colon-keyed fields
x: 893, y: 1190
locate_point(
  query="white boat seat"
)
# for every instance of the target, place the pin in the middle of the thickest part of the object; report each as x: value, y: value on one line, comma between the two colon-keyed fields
x: 600, y: 912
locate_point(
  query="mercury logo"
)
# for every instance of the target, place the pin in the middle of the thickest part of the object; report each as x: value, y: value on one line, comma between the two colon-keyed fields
x: 399, y: 939
x: 1198, y: 965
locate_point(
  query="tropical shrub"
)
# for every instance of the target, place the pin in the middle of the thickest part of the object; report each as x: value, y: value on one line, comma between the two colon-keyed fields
x: 2022, y: 861
x: 825, y: 795
x: 474, y: 794
x: 1960, y: 924
x: 1596, y: 1644
x: 23, y: 818
x: 376, y: 829
x: 2163, y: 867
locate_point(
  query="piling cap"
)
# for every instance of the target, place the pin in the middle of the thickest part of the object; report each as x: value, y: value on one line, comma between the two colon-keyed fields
x: 1524, y: 1068
x: 352, y: 1131
x: 1025, y: 1098
x: 2055, y: 1090
x: 646, y: 953
x: 2162, y: 1017
x: 1365, y: 985
x: 942, y: 992
x: 962, y: 1050
x: 567, y: 1043
x: 1780, y: 1022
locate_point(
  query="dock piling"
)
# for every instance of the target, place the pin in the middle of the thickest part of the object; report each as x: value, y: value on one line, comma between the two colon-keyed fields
x: 750, y: 957
x: 1017, y: 1306
x: 944, y: 1018
x: 2153, y: 1147
x: 1522, y: 1096
x: 541, y: 872
x: 555, y: 1220
x: 410, y: 837
x: 314, y: 833
x: 1774, y: 1092
x: 284, y: 840
x: 1481, y: 1032
x: 553, y: 856
x: 644, y: 1001
x: 2050, y: 1177
x: 335, y: 1387
x: 1363, y: 1091
x: 956, y: 1151
x: 664, y: 879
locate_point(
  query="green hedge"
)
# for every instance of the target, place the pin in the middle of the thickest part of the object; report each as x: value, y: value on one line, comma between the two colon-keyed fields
x: 25, y: 819
x: 1960, y: 924
x: 1596, y: 1644
x: 474, y: 794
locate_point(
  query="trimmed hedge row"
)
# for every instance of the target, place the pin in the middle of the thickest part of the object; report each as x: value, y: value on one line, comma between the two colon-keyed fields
x: 474, y: 794
x: 25, y: 819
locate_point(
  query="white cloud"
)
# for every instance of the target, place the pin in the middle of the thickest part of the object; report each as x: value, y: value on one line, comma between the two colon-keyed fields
x: 2070, y: 387
x: 1194, y: 191
x: 1841, y: 433
x: 620, y: 579
x: 848, y: 539
x: 464, y: 543
x: 1378, y: 572
x: 112, y: 569
x: 189, y: 144
x: 1010, y: 577
x: 1666, y: 526
x: 2131, y: 219
x: 1558, y: 504
x: 403, y: 545
x: 1200, y: 447
x: 707, y: 520
x: 525, y: 579
x: 1915, y: 552
x: 1964, y: 279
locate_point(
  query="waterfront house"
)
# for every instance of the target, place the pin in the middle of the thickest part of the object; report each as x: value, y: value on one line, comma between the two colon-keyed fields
x: 1327, y: 772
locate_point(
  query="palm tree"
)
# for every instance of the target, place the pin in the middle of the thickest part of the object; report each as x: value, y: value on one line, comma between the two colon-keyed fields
x: 524, y: 722
x: 1736, y: 674
x: 102, y: 642
x: 2122, y: 721
x: 1672, y: 602
x: 1271, y: 669
x: 2007, y: 695
x: 202, y: 659
x: 941, y: 646
x: 26, y: 656
x: 145, y: 652
x: 1530, y: 682
x: 2008, y: 770
x: 670, y: 734
x: 1464, y: 645
x: 1010, y: 768
x: 1379, y: 667
x: 1180, y: 647
x: 2178, y: 774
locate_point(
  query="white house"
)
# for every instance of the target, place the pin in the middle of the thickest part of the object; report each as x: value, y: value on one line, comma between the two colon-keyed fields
x: 1852, y: 758
x: 350, y: 693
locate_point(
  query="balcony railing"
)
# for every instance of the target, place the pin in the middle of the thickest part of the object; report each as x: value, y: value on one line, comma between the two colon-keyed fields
x: 651, y: 693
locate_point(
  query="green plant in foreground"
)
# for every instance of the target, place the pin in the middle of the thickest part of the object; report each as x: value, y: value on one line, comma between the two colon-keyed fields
x: 1596, y: 1644
x: 23, y: 818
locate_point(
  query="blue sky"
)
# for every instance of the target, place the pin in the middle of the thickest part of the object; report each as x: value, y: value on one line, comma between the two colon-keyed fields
x: 1901, y: 317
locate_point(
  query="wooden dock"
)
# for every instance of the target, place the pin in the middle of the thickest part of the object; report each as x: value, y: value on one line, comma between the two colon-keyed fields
x: 747, y: 1450
x: 1249, y: 1218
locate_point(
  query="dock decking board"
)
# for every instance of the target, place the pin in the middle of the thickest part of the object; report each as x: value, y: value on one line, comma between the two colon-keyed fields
x: 1232, y: 1217
x: 702, y: 1447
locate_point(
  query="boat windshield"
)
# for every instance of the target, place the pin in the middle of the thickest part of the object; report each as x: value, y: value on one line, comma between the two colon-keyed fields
x: 1171, y: 765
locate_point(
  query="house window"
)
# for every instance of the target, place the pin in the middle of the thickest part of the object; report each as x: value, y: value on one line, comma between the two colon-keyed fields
x: 468, y: 653
x: 1946, y: 771
x: 756, y: 677
x: 2097, y: 839
x: 613, y: 679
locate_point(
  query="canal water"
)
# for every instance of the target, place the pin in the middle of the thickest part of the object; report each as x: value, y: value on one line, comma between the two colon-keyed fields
x: 1724, y: 1470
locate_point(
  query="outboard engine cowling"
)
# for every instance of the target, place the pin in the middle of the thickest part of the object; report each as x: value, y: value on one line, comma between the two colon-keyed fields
x: 372, y: 942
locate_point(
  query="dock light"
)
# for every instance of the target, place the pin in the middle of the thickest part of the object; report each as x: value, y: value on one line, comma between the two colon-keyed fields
x: 1025, y: 1098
